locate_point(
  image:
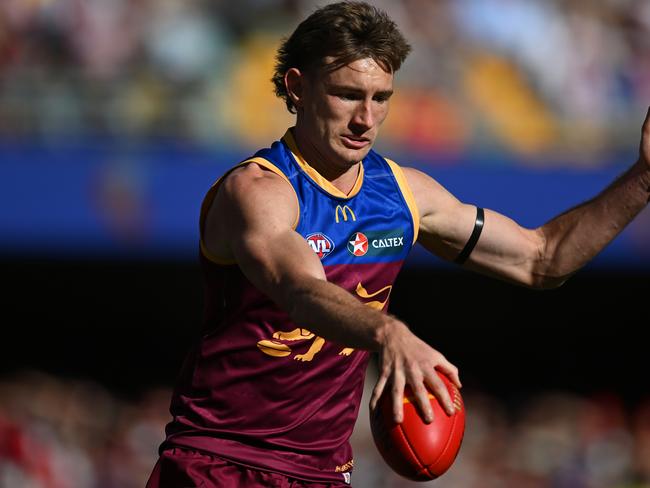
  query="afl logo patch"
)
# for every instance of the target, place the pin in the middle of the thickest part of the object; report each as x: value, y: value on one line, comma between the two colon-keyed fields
x: 358, y: 244
x: 320, y: 243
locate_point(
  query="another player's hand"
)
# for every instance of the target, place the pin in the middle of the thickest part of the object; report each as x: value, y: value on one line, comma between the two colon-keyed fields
x: 406, y: 359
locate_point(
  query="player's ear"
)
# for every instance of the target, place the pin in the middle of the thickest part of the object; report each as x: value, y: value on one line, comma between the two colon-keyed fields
x: 294, y: 81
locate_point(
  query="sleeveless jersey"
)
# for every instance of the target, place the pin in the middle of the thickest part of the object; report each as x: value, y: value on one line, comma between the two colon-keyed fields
x: 262, y: 391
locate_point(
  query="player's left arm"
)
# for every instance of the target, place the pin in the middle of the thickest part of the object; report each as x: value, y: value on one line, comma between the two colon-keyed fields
x: 544, y: 257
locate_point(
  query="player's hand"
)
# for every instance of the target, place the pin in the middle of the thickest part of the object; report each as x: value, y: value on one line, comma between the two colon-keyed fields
x: 406, y: 359
x: 644, y: 151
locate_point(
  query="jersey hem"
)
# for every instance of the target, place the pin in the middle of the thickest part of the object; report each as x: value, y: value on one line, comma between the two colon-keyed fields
x: 211, y: 446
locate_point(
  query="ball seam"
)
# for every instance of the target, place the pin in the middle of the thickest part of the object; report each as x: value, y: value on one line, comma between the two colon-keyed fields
x: 449, y: 437
x: 407, y: 442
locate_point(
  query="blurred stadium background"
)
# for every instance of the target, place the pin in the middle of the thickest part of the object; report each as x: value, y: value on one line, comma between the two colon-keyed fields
x: 117, y: 115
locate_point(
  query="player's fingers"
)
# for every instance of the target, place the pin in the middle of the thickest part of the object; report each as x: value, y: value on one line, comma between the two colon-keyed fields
x: 451, y: 371
x: 422, y: 401
x: 397, y: 391
x: 439, y: 389
x: 645, y: 129
x: 378, y: 390
x: 644, y: 148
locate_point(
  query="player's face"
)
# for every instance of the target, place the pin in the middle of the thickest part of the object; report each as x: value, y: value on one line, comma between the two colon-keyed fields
x: 343, y: 110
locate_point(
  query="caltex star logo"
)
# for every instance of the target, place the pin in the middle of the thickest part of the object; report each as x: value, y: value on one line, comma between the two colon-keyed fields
x: 358, y: 244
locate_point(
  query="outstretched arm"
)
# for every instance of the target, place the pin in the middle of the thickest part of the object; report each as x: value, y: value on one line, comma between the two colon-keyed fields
x: 251, y: 221
x: 575, y: 237
x: 544, y: 257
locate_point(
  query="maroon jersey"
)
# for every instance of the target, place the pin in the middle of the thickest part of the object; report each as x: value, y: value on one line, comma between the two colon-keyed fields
x: 262, y: 391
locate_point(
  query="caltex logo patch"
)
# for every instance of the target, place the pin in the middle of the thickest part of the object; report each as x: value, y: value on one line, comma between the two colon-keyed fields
x: 321, y: 244
x: 371, y: 243
x: 358, y: 244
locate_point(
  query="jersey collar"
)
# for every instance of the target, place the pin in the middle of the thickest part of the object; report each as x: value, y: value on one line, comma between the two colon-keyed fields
x: 316, y: 176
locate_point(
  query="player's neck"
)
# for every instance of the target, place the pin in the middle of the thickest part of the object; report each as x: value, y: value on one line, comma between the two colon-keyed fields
x: 343, y: 178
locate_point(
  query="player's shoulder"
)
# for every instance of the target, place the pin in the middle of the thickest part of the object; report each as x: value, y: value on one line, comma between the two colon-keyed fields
x: 251, y: 178
x: 411, y: 172
x: 251, y: 189
x: 248, y: 173
x: 418, y: 178
x: 408, y: 171
x: 428, y: 194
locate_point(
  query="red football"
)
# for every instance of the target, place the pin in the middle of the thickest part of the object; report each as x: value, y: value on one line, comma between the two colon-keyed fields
x: 419, y: 451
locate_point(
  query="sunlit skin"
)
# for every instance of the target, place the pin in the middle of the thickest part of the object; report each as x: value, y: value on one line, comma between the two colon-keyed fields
x: 339, y: 116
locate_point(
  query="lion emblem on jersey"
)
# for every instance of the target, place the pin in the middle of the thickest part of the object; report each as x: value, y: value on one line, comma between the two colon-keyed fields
x: 278, y: 347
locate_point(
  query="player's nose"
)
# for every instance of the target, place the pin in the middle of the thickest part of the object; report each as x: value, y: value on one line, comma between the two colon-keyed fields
x: 364, y: 119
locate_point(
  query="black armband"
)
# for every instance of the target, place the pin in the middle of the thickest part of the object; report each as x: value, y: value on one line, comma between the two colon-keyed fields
x: 473, y: 239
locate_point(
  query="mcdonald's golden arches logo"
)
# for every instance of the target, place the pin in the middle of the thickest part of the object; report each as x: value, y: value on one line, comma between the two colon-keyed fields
x: 344, y: 211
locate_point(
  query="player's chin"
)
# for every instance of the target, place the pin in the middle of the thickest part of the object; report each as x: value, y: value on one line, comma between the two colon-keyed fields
x: 356, y: 155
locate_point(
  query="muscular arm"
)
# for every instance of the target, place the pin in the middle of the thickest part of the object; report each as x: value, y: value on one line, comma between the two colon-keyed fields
x: 251, y: 221
x: 544, y: 257
x: 575, y: 237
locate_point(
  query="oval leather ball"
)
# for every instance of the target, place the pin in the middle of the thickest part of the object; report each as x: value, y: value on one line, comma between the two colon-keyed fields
x: 413, y: 449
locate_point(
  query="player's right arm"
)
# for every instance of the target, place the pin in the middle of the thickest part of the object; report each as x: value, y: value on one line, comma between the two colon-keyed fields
x: 251, y: 221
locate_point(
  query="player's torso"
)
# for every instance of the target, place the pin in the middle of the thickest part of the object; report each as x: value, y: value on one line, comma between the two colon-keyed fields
x: 255, y: 374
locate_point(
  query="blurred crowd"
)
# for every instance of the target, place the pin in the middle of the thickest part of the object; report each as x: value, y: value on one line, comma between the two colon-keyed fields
x: 542, y: 79
x: 67, y: 433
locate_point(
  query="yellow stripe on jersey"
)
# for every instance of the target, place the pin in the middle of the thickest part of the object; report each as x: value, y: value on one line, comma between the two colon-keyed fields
x: 408, y: 196
x: 212, y: 192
